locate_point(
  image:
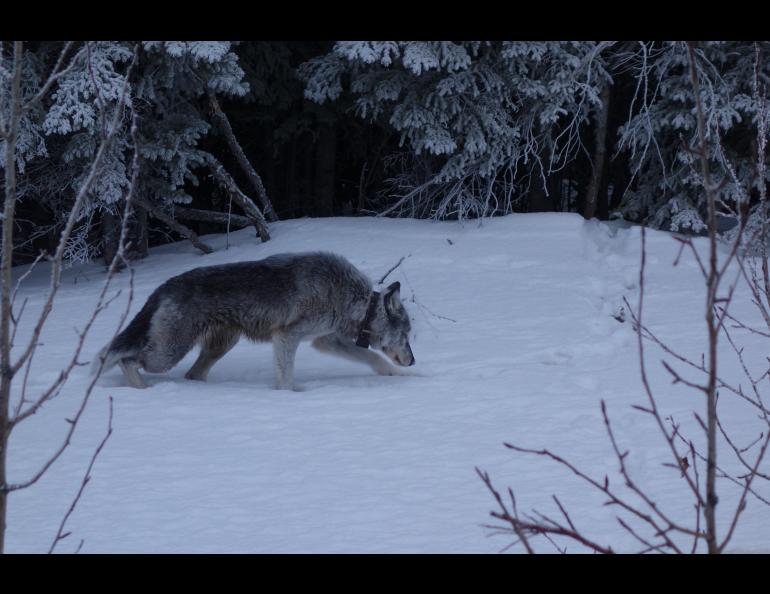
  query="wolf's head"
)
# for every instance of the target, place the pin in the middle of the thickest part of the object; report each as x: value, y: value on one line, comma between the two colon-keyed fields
x: 391, y: 327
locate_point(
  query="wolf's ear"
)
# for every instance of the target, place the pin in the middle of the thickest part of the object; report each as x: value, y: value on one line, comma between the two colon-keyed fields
x: 393, y: 287
x: 391, y: 297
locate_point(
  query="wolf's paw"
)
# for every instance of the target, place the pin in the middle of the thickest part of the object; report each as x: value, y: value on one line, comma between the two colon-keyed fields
x: 195, y: 377
x: 292, y: 388
x: 391, y: 370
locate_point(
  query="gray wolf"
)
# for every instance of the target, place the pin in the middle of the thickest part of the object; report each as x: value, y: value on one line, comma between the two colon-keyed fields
x: 285, y: 299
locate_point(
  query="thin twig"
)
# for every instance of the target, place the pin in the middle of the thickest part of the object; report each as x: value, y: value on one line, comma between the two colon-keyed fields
x: 60, y: 534
x: 392, y: 268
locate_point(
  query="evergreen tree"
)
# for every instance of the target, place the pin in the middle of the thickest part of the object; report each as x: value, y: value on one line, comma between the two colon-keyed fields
x: 168, y: 92
x: 478, y: 110
x: 661, y: 133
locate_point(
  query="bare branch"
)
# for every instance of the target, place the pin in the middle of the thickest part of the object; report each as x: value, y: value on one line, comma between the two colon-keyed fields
x: 249, y: 208
x: 60, y: 534
x: 516, y: 528
x: 101, y: 303
x: 741, y: 506
x: 57, y: 259
x: 209, y: 216
x: 186, y: 232
x: 224, y: 125
x: 392, y: 268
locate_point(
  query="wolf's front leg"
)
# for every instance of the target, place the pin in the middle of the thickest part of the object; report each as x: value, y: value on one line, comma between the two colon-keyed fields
x: 342, y: 347
x: 284, y: 351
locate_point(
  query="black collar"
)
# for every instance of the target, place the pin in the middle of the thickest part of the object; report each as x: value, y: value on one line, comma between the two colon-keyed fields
x: 366, y: 331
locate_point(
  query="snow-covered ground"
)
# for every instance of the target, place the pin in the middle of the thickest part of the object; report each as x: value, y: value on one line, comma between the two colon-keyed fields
x: 516, y: 341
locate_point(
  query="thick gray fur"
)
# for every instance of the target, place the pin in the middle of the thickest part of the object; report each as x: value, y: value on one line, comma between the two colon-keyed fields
x: 286, y: 298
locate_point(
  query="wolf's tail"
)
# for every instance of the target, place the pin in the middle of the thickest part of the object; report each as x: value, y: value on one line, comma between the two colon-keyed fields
x: 110, y: 356
x: 130, y: 341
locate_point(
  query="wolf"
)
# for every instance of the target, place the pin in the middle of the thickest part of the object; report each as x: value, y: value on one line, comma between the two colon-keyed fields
x: 283, y: 299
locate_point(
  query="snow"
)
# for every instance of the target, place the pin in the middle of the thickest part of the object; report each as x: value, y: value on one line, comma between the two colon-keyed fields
x: 515, y: 339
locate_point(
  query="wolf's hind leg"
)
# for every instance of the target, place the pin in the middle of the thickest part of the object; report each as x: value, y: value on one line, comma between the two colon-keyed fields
x: 130, y: 369
x: 342, y: 347
x: 284, y: 350
x: 215, y: 344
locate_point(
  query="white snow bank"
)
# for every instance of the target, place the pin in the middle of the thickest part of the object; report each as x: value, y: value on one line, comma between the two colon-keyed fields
x: 516, y: 339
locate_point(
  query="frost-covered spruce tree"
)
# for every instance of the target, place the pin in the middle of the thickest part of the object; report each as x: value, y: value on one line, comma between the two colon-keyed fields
x: 484, y: 119
x: 76, y: 116
x: 31, y: 142
x: 169, y: 93
x: 172, y: 90
x: 661, y: 133
x: 41, y: 176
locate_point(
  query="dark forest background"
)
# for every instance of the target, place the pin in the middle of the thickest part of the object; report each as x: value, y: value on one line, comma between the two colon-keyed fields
x: 234, y: 134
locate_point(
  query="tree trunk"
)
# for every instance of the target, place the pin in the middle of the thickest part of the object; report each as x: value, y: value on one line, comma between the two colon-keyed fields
x: 137, y: 243
x: 267, y: 165
x: 5, y: 430
x: 539, y: 200
x: 600, y: 155
x: 714, y: 276
x: 224, y: 125
x: 618, y: 177
x: 137, y: 240
x: 325, y: 155
x: 176, y: 226
x: 291, y: 180
x: 603, y: 203
x: 110, y: 236
x: 10, y: 131
x: 247, y: 204
x: 210, y: 216
x: 305, y: 180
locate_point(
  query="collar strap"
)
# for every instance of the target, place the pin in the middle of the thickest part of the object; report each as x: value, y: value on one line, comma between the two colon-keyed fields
x: 366, y: 331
